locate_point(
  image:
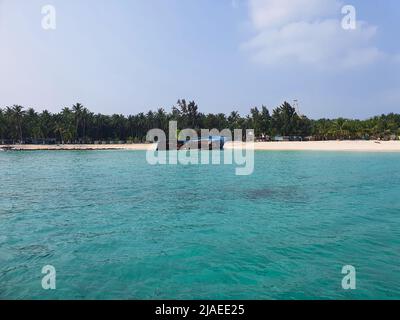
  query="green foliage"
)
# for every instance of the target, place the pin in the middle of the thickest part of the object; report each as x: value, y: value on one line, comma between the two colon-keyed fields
x: 78, y: 125
x: 286, y: 122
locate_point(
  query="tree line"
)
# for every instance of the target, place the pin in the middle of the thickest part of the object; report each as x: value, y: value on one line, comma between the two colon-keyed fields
x: 79, y: 125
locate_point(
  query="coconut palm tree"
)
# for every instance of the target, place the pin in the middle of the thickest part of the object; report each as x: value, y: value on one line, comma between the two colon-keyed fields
x: 78, y: 123
x: 46, y: 123
x: 67, y: 121
x: 15, y: 115
x: 77, y: 110
x: 2, y: 125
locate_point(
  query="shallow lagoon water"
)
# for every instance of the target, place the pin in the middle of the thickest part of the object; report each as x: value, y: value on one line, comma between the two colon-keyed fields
x: 115, y: 227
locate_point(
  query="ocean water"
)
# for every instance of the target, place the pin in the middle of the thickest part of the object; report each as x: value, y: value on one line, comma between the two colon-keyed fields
x: 115, y: 227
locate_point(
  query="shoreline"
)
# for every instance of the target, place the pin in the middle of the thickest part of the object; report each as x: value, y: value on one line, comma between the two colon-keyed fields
x: 339, y: 146
x: 78, y: 147
x: 349, y: 146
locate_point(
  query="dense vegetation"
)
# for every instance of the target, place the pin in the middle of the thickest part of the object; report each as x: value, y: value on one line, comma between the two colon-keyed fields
x: 79, y: 125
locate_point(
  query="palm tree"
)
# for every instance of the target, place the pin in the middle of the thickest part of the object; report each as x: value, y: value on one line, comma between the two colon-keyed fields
x: 59, y: 130
x: 16, y: 114
x: 255, y: 120
x: 85, y: 115
x: 78, y: 111
x: 2, y: 125
x: 265, y: 121
x: 339, y: 128
x: 46, y: 124
x: 32, y: 124
x: 234, y: 120
x: 161, y: 119
x: 67, y: 119
x: 78, y: 123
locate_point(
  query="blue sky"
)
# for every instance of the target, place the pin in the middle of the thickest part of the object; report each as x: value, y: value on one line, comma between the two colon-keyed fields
x: 129, y: 56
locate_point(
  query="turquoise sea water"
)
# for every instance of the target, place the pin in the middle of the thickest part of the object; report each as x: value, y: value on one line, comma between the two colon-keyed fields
x: 115, y: 227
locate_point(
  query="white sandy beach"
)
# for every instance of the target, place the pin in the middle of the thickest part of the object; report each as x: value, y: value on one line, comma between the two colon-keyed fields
x: 31, y: 147
x: 351, y: 146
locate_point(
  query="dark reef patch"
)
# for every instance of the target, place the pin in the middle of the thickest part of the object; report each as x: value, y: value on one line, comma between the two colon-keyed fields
x: 280, y: 193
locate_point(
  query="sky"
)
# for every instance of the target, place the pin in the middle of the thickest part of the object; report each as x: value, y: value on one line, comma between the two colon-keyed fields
x: 130, y: 56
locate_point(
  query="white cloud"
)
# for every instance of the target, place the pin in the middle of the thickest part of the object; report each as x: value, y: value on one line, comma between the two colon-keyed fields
x: 308, y: 32
x: 276, y: 13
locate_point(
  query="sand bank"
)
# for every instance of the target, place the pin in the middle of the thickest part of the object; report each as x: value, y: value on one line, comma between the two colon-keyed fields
x: 351, y: 146
x: 30, y: 147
